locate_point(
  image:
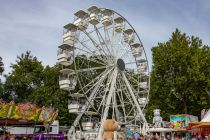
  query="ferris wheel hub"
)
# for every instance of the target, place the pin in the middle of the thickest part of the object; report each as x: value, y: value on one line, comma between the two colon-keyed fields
x: 120, y: 64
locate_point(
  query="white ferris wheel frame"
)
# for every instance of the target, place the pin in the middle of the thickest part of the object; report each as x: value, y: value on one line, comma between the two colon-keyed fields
x: 111, y: 71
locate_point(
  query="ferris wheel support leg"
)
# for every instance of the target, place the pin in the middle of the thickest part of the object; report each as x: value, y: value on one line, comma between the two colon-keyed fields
x: 108, y: 101
x: 135, y: 101
x: 87, y: 104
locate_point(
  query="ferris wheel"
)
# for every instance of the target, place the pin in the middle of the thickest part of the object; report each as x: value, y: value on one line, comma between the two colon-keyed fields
x: 105, y: 68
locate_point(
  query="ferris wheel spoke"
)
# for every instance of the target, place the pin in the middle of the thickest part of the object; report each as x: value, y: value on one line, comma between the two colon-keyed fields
x: 90, y: 99
x: 89, y: 50
x: 93, y: 60
x: 97, y: 45
x: 131, y: 79
x: 125, y: 52
x: 130, y: 102
x: 112, y: 41
x: 104, y: 95
x: 91, y: 69
x: 123, y: 100
x: 121, y: 46
x: 133, y: 97
x: 107, y: 38
x: 122, y: 104
x: 134, y: 62
x: 94, y: 81
x: 108, y: 99
x: 96, y: 61
x: 102, y: 41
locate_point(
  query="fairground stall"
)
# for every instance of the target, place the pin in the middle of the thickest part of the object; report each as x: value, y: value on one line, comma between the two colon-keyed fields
x: 180, y: 122
x: 21, y: 120
x: 162, y: 133
x: 160, y: 129
x: 199, y: 128
x: 202, y: 127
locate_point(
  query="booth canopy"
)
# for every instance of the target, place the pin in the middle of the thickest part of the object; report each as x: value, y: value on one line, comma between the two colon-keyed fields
x: 25, y: 113
x: 206, y: 118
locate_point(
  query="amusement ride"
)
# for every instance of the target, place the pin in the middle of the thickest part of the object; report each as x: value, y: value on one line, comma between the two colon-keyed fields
x: 105, y: 69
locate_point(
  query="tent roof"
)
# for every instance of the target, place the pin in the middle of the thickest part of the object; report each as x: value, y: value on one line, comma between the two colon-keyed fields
x: 206, y: 117
x: 13, y: 122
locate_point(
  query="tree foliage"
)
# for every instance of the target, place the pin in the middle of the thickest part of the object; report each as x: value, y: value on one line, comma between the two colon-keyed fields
x: 30, y: 81
x: 25, y: 76
x: 180, y: 75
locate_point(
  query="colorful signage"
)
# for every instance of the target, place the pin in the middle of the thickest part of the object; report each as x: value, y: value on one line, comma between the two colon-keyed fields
x: 26, y: 111
x: 182, y: 120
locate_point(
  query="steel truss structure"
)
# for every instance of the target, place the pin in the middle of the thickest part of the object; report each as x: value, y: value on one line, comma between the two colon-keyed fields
x: 105, y: 68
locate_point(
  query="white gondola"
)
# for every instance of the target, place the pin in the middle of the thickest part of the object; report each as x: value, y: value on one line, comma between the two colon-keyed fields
x: 93, y: 15
x: 65, y: 57
x: 143, y: 92
x: 74, y: 107
x: 67, y: 81
x: 132, y: 127
x: 143, y: 85
x: 89, y: 121
x: 81, y: 20
x: 107, y: 17
x: 70, y: 35
x: 76, y: 103
x: 129, y: 36
x: 88, y: 125
x: 136, y: 50
x: 119, y: 24
x: 142, y: 101
x: 142, y: 65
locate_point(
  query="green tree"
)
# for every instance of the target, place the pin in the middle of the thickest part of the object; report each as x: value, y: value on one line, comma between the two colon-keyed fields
x: 49, y: 93
x: 180, y: 75
x: 30, y: 81
x: 25, y: 76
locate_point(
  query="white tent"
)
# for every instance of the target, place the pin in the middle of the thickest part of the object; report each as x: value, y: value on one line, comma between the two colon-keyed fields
x: 206, y: 118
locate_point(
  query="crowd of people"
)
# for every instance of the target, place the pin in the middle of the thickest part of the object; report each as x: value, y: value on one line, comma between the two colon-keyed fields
x: 134, y: 135
x: 137, y: 136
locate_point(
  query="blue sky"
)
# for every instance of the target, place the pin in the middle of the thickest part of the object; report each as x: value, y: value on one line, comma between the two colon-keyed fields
x: 36, y: 25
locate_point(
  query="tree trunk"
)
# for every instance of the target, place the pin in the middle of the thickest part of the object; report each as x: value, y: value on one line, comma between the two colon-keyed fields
x: 185, y: 107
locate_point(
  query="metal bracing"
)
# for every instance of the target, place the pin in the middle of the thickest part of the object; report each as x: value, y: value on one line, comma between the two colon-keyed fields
x: 108, y: 101
x: 87, y: 104
x: 134, y: 97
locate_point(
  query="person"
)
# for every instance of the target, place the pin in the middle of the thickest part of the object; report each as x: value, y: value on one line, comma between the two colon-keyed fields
x: 168, y: 137
x: 136, y: 135
x: 202, y: 136
x: 157, y: 136
x: 177, y: 137
x: 193, y: 137
x: 129, y: 133
x: 183, y: 138
x: 141, y: 137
